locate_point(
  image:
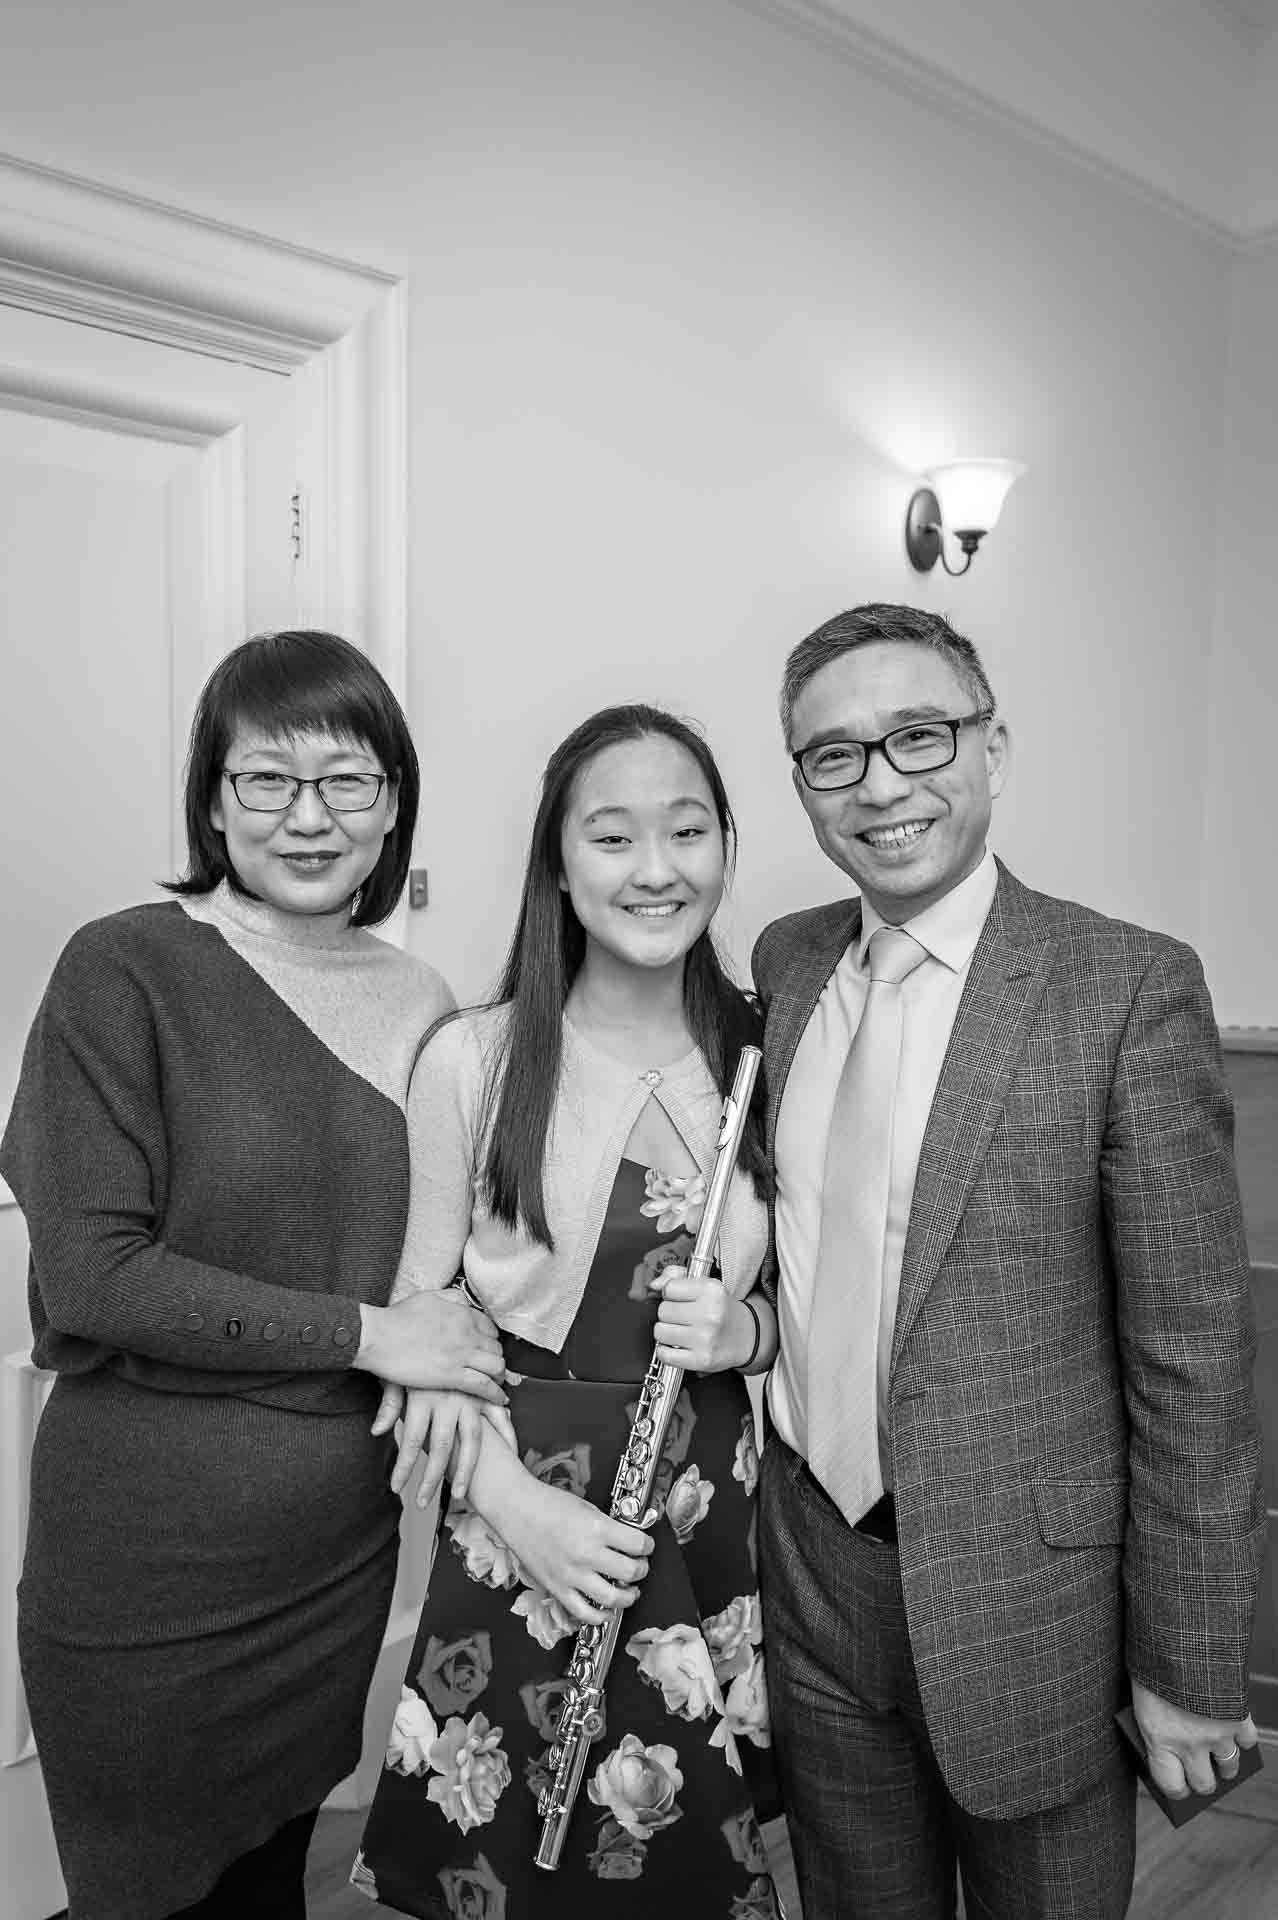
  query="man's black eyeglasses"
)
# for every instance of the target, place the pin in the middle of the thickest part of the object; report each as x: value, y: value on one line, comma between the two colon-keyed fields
x: 921, y: 747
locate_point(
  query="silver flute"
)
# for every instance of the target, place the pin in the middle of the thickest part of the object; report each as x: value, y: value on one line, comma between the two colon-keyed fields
x: 581, y: 1717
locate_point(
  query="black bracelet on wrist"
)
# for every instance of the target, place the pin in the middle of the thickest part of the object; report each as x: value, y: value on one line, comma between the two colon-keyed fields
x: 758, y: 1335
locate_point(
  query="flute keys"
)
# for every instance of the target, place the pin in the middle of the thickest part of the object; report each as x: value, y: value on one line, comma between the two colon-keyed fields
x: 628, y: 1507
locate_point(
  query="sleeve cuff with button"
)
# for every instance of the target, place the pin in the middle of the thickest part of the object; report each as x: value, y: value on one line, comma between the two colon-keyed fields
x: 248, y: 1325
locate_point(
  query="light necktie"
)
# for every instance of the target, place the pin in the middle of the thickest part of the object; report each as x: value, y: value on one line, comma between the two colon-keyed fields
x: 851, y: 1324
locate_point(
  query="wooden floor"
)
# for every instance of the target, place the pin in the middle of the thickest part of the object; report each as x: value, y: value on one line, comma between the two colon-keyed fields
x: 1222, y: 1866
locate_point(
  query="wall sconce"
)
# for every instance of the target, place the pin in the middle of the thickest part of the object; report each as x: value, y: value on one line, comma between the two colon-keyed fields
x: 965, y: 499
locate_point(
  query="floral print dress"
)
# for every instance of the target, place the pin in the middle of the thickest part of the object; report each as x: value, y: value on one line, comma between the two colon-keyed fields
x: 668, y: 1816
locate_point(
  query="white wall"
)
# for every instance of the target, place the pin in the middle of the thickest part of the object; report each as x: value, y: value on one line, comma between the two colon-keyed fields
x: 1239, y: 863
x: 692, y: 297
x: 709, y: 309
x: 1257, y: 197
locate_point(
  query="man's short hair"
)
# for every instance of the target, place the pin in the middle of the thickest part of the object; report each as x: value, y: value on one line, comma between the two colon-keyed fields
x: 880, y: 620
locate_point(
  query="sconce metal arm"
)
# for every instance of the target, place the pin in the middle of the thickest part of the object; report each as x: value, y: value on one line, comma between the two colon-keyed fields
x: 924, y: 536
x: 969, y: 543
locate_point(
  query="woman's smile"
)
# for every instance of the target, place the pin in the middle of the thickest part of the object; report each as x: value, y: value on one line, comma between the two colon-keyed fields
x: 310, y: 862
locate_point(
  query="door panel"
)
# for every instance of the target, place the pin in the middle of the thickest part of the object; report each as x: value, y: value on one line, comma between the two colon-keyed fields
x: 85, y: 765
x: 105, y: 639
x: 85, y: 769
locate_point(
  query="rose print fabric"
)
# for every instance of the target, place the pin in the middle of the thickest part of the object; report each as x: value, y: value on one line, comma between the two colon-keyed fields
x: 668, y: 1817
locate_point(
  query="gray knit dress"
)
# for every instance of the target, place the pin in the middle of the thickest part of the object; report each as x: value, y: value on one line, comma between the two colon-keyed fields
x: 209, y: 1146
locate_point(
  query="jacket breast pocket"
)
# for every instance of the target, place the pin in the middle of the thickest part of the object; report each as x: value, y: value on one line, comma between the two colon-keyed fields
x: 1081, y: 1513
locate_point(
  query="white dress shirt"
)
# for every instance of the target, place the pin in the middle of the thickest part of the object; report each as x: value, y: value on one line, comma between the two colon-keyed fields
x: 949, y: 931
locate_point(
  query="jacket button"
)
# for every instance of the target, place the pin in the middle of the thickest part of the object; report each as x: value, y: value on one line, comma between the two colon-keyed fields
x: 194, y: 1322
x: 272, y: 1330
x: 341, y: 1336
x: 310, y: 1334
x: 234, y: 1328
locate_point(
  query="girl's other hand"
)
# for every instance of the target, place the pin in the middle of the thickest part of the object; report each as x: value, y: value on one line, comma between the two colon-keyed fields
x: 583, y: 1559
x: 449, y: 1426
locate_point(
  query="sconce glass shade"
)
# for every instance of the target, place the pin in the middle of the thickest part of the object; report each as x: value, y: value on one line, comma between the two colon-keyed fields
x: 971, y: 492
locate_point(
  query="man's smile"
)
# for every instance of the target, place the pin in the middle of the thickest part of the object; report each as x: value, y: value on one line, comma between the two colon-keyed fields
x: 901, y: 835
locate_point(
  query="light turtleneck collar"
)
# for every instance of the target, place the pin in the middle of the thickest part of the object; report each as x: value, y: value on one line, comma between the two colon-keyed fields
x: 318, y: 931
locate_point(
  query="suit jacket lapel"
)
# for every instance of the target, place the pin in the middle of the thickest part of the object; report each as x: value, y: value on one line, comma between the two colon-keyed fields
x: 791, y: 1005
x: 1005, y: 984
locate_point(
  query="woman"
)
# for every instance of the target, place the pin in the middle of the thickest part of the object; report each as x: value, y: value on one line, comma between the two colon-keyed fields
x: 541, y: 1120
x: 209, y: 1146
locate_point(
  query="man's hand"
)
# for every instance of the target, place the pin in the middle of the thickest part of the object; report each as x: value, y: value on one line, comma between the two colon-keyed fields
x: 1186, y: 1751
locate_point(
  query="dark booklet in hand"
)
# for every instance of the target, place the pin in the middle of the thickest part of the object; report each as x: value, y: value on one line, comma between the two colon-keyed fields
x: 1179, y: 1811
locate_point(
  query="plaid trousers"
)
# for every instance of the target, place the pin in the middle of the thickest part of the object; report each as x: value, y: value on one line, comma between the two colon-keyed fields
x: 876, y: 1834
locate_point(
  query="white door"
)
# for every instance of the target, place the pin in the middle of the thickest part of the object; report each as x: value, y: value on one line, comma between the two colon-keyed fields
x: 84, y: 778
x: 93, y: 526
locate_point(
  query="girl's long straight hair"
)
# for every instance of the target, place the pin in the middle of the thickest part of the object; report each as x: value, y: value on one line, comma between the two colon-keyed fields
x: 546, y: 952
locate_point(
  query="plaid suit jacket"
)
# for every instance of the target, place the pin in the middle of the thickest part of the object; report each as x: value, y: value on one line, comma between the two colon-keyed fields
x: 1074, y: 1431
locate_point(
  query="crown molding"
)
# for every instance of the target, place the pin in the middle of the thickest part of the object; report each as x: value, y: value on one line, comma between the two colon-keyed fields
x: 99, y: 256
x: 924, y: 81
x: 28, y: 390
x: 128, y: 310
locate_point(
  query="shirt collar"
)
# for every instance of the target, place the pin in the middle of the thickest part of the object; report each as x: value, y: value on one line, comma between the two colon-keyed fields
x: 950, y: 929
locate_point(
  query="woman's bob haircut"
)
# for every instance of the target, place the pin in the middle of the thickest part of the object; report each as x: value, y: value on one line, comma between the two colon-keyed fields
x: 286, y: 685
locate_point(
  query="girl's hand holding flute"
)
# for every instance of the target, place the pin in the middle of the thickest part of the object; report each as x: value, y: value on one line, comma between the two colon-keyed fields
x: 584, y: 1559
x: 702, y: 1328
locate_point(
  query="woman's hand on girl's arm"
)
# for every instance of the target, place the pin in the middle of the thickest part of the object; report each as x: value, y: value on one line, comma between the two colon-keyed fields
x: 584, y: 1560
x: 433, y: 1338
x: 705, y: 1329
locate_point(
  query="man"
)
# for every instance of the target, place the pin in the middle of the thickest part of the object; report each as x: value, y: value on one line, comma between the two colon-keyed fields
x: 1013, y: 1478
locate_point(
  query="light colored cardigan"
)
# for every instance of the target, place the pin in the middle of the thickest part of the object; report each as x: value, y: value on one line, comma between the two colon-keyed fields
x: 527, y: 1290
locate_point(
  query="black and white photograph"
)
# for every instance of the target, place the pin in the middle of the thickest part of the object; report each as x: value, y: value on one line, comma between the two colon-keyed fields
x: 639, y: 987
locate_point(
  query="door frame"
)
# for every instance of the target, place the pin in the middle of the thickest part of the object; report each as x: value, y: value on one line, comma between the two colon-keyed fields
x: 76, y: 250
